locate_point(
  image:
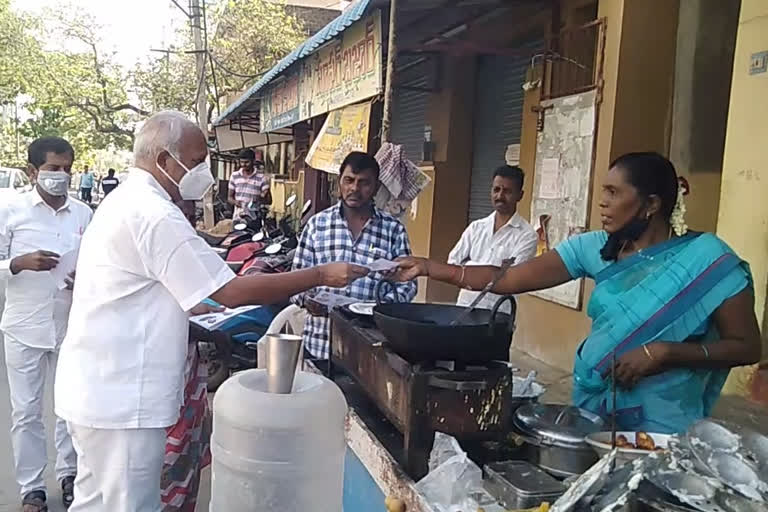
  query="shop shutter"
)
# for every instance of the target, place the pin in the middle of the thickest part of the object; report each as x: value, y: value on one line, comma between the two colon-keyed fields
x: 497, y: 122
x: 410, y: 109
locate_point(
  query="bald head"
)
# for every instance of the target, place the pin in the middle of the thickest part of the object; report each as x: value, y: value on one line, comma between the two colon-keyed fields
x: 166, y: 144
x: 163, y: 131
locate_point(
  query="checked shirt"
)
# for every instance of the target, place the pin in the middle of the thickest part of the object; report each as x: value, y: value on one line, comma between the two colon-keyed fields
x: 327, y: 239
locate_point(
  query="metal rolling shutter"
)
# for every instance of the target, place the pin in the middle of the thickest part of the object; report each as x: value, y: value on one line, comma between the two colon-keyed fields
x: 497, y: 123
x: 410, y: 109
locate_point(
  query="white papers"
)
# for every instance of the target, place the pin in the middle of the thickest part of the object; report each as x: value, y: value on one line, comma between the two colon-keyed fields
x: 212, y: 321
x: 587, y: 122
x: 67, y: 264
x: 332, y: 300
x: 380, y: 265
x: 512, y: 155
x: 549, y: 179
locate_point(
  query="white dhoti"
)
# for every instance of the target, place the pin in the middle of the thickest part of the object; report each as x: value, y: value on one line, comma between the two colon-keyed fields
x: 118, y: 470
x: 28, y: 368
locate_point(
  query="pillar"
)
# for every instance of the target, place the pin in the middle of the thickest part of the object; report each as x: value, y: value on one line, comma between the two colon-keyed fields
x: 743, y: 216
x: 706, y: 40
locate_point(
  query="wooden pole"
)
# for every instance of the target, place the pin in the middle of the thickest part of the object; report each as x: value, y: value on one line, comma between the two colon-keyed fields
x: 386, y: 121
x: 197, y: 19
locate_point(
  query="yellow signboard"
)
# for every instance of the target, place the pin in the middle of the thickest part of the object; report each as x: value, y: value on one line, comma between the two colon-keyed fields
x: 345, y: 71
x: 345, y: 130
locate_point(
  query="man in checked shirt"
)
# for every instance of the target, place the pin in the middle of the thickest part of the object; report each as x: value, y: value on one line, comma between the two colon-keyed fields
x: 353, y: 231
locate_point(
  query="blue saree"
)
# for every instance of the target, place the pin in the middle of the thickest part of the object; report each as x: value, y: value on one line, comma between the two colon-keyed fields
x: 667, y: 292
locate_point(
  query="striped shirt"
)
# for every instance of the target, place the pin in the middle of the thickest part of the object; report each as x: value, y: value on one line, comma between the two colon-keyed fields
x: 326, y: 239
x: 249, y: 188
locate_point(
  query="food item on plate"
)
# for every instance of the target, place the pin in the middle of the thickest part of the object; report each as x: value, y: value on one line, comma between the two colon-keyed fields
x: 623, y: 442
x: 643, y: 441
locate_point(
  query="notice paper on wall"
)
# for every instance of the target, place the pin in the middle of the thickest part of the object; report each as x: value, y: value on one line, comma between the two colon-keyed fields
x: 549, y: 179
x: 512, y: 156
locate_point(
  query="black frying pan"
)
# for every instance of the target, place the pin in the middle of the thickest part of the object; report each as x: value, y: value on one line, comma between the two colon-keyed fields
x: 422, y: 332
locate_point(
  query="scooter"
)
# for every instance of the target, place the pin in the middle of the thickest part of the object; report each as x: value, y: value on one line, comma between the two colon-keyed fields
x: 232, y: 346
x: 242, y: 233
x: 269, y: 252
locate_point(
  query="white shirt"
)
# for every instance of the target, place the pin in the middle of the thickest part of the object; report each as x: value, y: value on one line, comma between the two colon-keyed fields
x: 479, y: 245
x: 141, y: 269
x: 36, y: 310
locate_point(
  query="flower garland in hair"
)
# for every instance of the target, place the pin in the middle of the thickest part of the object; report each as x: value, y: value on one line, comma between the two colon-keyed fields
x: 678, y: 213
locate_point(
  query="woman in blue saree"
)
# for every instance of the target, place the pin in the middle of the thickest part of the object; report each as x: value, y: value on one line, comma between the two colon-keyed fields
x: 675, y: 309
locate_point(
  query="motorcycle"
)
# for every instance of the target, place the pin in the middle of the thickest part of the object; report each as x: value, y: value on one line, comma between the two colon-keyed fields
x: 270, y: 251
x: 232, y: 346
x: 242, y: 233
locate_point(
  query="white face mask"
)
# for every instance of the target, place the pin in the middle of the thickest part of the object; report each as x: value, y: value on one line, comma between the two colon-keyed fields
x: 195, y: 183
x: 55, y: 183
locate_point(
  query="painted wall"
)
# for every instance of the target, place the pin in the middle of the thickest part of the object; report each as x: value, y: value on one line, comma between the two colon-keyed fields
x: 743, y: 217
x: 633, y: 116
x: 706, y: 40
x: 450, y: 115
x: 443, y: 207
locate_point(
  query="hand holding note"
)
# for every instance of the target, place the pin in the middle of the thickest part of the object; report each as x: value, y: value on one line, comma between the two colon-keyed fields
x: 381, y: 265
x: 65, y: 268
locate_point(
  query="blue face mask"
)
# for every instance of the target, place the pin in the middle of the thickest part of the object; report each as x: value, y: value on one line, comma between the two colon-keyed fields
x: 55, y: 183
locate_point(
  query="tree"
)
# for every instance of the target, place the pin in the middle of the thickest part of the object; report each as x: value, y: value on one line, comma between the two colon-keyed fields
x: 17, y: 48
x: 167, y: 82
x: 82, y: 81
x: 250, y: 37
x: 74, y: 88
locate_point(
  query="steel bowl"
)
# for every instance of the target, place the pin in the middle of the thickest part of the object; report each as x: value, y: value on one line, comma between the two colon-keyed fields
x: 556, y: 436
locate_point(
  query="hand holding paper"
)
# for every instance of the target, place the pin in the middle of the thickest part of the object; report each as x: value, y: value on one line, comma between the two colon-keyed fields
x: 66, y: 267
x: 381, y: 265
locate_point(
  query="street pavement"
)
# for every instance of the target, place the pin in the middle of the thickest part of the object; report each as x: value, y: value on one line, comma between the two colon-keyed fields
x: 9, y: 491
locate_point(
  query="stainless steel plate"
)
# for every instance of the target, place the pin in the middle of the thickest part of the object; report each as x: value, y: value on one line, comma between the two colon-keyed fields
x: 588, y: 484
x: 737, y: 474
x: 690, y: 489
x: 756, y: 448
x: 713, y: 435
x: 736, y: 503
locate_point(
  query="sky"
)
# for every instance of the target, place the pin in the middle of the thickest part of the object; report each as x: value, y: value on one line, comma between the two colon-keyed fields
x: 131, y: 27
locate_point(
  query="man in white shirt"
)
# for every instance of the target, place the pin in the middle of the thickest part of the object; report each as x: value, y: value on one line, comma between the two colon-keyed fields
x: 35, y: 228
x: 142, y: 268
x: 502, y: 235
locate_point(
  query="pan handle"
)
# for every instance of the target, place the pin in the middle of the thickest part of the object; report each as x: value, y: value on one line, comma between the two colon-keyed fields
x: 512, y: 314
x: 379, y: 291
x: 458, y: 385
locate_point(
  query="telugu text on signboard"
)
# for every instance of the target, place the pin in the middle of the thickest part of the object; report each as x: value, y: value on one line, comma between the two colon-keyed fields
x: 345, y: 71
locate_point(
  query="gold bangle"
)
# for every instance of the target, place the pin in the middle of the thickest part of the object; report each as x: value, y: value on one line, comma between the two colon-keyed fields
x: 648, y: 352
x: 461, y: 279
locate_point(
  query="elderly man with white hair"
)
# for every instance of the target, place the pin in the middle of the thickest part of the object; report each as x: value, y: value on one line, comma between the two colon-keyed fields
x: 141, y: 269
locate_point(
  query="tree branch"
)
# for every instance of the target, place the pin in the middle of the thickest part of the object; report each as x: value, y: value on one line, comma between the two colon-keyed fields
x: 128, y: 106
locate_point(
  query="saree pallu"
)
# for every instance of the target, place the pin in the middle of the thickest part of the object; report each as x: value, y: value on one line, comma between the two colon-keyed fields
x: 187, y: 450
x: 665, y: 293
